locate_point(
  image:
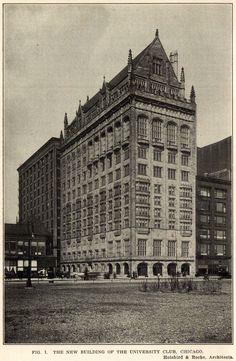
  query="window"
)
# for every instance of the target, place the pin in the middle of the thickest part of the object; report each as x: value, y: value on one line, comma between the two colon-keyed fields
x: 157, y: 200
x: 185, y: 249
x: 156, y: 247
x: 157, y: 130
x: 205, y: 233
x: 126, y: 153
x: 157, y: 154
x: 171, y: 134
x: 171, y: 213
x: 157, y: 223
x: 185, y: 160
x: 220, y: 220
x: 96, y: 184
x: 171, y: 248
x: 110, y: 177
x: 102, y: 163
x: 118, y: 157
x: 204, y: 219
x: 157, y: 188
x: 157, y: 212
x: 218, y: 234
x: 171, y: 225
x: 142, y: 127
x: 126, y: 170
x: 142, y: 169
x: 157, y: 171
x: 184, y: 137
x: 157, y: 66
x: 171, y: 202
x: 171, y: 173
x: 204, y: 249
x: 142, y: 152
x: 172, y: 157
x: 103, y: 180
x: 184, y: 176
x: 141, y: 247
x: 220, y: 193
x: 118, y: 174
x: 204, y: 205
x: 220, y: 249
x: 205, y: 192
x: 220, y: 207
x: 171, y: 191
x: 109, y: 160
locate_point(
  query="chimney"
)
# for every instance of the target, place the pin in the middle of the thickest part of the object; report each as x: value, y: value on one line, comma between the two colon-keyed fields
x: 174, y: 61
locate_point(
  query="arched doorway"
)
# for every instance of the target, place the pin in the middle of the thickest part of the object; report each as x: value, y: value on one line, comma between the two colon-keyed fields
x: 110, y: 268
x: 157, y: 269
x: 171, y: 269
x: 117, y: 268
x: 185, y: 269
x: 72, y: 268
x: 142, y: 269
x: 63, y: 268
x: 126, y: 268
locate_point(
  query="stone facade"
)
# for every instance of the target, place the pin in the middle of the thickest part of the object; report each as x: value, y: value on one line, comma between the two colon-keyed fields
x: 39, y: 190
x: 128, y: 169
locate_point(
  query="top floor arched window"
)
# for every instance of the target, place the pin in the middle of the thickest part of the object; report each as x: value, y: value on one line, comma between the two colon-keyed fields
x: 171, y: 133
x: 157, y: 66
x: 184, y: 136
x: 157, y: 130
x: 142, y: 127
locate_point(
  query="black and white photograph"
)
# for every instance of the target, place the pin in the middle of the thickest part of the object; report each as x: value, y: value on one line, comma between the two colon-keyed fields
x: 117, y: 128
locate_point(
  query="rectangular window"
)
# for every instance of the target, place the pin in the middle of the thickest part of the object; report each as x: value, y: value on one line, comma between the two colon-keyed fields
x: 157, y: 154
x: 171, y: 213
x: 141, y: 247
x: 185, y: 249
x: 171, y: 248
x: 172, y: 157
x: 204, y: 249
x: 142, y: 152
x: 156, y: 247
x: 185, y: 160
x: 110, y: 177
x: 218, y: 234
x: 157, y: 66
x: 126, y: 153
x: 171, y: 202
x: 126, y: 170
x: 103, y: 180
x: 204, y: 219
x: 184, y: 176
x: 220, y: 249
x: 142, y: 169
x: 118, y: 157
x: 118, y: 174
x: 157, y: 172
x: 157, y: 200
x: 171, y: 190
x: 157, y: 188
x: 205, y: 192
x: 204, y: 205
x: 157, y: 223
x: 220, y: 193
x: 220, y: 220
x: 205, y: 233
x: 220, y: 207
x: 171, y: 173
x: 171, y: 225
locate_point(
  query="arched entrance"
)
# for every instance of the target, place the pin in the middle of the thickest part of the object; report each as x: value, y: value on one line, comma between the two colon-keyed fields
x: 117, y: 268
x: 171, y: 269
x: 110, y: 268
x: 126, y: 268
x: 142, y: 269
x: 63, y: 268
x: 72, y: 268
x: 68, y: 268
x: 157, y: 269
x: 185, y: 269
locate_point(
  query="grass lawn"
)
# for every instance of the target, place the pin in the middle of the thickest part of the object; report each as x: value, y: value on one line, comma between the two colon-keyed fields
x: 114, y: 313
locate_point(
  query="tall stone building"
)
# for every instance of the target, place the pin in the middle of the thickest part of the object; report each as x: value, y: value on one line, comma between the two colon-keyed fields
x: 128, y: 169
x: 39, y: 190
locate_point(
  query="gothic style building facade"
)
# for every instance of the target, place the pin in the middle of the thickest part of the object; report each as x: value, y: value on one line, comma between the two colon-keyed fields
x: 128, y: 168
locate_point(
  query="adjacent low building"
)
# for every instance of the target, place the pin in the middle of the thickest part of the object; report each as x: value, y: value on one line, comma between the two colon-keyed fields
x: 24, y: 241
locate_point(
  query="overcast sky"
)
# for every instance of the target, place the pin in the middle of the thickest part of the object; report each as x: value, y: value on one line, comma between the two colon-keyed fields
x: 58, y: 54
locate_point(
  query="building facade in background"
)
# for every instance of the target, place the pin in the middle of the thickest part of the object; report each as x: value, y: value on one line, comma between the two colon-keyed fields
x: 24, y: 241
x: 214, y: 241
x: 128, y: 169
x: 39, y: 190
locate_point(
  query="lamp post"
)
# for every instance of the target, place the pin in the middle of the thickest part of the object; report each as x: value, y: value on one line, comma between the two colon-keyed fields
x: 28, y: 282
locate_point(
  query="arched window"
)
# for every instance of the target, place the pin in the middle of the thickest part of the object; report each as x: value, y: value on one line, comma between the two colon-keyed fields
x: 171, y: 133
x: 142, y: 127
x: 184, y: 136
x: 157, y: 66
x: 157, y: 130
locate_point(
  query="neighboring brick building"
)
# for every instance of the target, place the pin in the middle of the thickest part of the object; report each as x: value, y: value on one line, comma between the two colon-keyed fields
x: 128, y: 170
x: 213, y: 225
x: 39, y: 190
x: 18, y: 250
x: 215, y: 159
